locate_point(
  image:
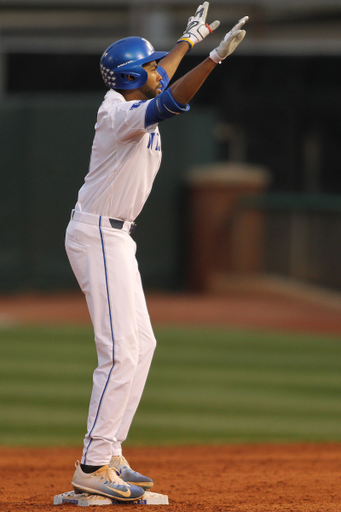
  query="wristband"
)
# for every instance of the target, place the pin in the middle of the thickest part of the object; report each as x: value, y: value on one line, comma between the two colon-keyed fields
x: 215, y: 57
x: 186, y: 40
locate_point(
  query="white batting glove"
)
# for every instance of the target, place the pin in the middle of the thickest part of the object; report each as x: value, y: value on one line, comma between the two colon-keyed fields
x: 230, y: 42
x: 197, y: 28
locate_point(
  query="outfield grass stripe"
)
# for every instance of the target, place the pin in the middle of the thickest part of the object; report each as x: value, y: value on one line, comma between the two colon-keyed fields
x: 14, y: 390
x: 229, y: 375
x: 30, y: 415
x: 250, y: 401
x: 267, y: 426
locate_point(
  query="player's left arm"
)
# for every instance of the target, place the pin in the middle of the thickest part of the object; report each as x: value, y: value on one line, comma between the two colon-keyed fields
x: 197, y: 29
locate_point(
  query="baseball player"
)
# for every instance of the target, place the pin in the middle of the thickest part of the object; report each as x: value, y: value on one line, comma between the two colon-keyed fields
x: 125, y: 157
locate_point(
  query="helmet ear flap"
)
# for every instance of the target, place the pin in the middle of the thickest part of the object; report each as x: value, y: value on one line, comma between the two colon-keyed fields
x: 134, y: 79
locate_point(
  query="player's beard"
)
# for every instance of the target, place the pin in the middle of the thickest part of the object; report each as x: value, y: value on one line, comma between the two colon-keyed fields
x: 148, y: 92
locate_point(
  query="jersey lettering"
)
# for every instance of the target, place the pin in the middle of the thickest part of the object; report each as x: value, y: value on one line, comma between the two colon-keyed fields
x: 154, y: 137
x: 151, y: 139
x: 136, y: 105
x: 157, y: 145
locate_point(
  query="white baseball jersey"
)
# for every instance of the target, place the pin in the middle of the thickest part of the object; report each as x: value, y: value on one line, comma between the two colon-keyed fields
x: 125, y: 158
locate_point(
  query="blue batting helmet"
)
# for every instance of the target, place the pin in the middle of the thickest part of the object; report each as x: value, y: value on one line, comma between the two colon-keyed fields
x: 121, y: 63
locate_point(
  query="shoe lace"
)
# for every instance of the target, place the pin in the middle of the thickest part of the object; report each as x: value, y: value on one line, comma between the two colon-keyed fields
x: 114, y: 478
x: 119, y: 460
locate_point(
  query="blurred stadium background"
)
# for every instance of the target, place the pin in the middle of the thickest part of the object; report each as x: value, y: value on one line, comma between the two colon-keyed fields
x: 248, y: 197
x: 270, y: 116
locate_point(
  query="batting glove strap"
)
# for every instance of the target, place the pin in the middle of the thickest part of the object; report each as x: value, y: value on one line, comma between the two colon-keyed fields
x: 215, y: 57
x: 186, y: 40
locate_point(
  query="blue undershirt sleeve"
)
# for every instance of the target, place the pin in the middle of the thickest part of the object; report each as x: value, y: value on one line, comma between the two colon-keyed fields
x: 163, y: 107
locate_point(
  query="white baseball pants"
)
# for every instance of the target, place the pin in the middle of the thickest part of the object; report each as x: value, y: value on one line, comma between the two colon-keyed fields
x: 103, y: 261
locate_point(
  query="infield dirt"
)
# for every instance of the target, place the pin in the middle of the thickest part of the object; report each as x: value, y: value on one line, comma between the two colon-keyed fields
x: 262, y: 478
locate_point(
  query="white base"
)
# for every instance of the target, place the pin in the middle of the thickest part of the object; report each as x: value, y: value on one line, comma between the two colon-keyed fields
x: 85, y: 499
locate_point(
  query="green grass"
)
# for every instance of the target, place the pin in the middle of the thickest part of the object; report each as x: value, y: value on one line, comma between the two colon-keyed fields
x: 205, y: 386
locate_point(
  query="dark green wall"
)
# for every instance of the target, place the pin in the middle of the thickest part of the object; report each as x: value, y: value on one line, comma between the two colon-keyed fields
x: 45, y: 148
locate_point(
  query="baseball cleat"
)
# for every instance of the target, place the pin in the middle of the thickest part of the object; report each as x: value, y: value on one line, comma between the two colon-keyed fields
x: 105, y: 482
x: 124, y: 471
